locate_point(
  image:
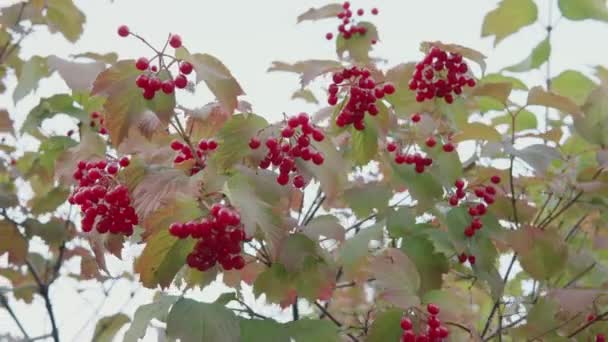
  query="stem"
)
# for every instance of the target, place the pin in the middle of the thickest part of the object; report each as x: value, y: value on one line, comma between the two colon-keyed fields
x: 334, y: 320
x: 587, y: 324
x: 43, y: 290
x: 295, y: 311
x: 4, y: 303
x: 497, y: 302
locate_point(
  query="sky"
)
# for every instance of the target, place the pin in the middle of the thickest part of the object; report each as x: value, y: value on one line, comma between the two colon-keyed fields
x: 247, y: 36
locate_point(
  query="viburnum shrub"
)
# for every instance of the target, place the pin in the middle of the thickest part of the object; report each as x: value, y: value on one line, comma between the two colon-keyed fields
x: 449, y: 198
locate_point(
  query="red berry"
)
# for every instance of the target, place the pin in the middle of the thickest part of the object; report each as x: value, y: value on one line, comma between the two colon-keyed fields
x: 176, y: 145
x: 148, y: 94
x: 389, y: 88
x: 360, y: 11
x: 175, y: 41
x: 168, y: 86
x: 406, y: 324
x: 600, y: 338
x: 299, y: 182
x: 329, y: 36
x: 254, y: 143
x: 374, y: 11
x: 142, y: 63
x: 287, y: 132
x: 469, y: 232
x: 443, y: 332
x: 123, y: 30
x: 283, y: 179
x: 462, y: 258
x: 154, y: 68
x: 448, y: 147
x: 181, y: 81
x: 154, y: 84
x: 431, y: 142
x: 318, y: 135
x: 416, y: 117
x: 408, y: 336
x: 212, y: 144
x: 459, y: 184
x: 472, y: 259
x: 318, y: 158
x: 591, y: 318
x: 391, y: 147
x: 124, y: 161
x: 495, y: 179
x: 95, y: 115
x: 490, y: 190
x: 113, y: 168
x: 453, y: 201
x: 142, y: 81
x: 432, y: 309
x: 185, y: 68
x: 346, y: 5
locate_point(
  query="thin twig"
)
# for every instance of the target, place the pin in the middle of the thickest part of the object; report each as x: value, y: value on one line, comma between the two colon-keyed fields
x: 4, y: 303
x: 334, y: 320
x: 587, y: 324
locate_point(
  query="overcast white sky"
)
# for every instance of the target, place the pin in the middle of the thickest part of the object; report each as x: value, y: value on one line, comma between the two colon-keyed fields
x: 247, y: 36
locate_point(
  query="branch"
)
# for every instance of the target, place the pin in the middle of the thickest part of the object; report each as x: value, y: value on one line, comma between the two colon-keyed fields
x: 4, y: 303
x: 497, y: 302
x: 587, y: 324
x: 43, y: 290
x: 333, y: 319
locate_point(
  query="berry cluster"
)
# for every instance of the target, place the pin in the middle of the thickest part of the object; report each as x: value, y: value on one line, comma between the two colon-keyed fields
x: 294, y: 143
x: 348, y: 26
x: 486, y: 193
x: 219, y: 239
x: 363, y: 92
x: 434, y: 332
x: 97, y: 120
x: 440, y: 74
x: 103, y: 200
x: 203, y: 149
x: 150, y: 81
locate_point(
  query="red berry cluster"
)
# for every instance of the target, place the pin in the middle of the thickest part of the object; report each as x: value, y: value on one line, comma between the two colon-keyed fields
x: 97, y: 120
x: 219, y: 239
x: 348, y: 26
x: 363, y: 92
x: 203, y: 149
x: 486, y: 193
x: 150, y: 81
x: 434, y: 332
x: 440, y: 74
x: 103, y: 200
x: 294, y: 143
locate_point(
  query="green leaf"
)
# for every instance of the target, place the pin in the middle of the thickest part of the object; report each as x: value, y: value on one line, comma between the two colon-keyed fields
x: 542, y: 253
x: 524, y: 120
x: 539, y: 97
x: 430, y: 265
x: 65, y: 17
x: 385, y: 326
x: 218, y: 78
x: 397, y: 279
x: 32, y: 72
x: 593, y: 125
x: 126, y: 107
x: 477, y: 131
x: 403, y: 101
x: 263, y: 330
x: 332, y: 175
x: 540, y: 54
x: 107, y: 327
x: 275, y: 283
x: 358, y: 46
x: 54, y: 232
x: 499, y: 91
x: 400, y: 222
x: 458, y: 220
x: 308, y: 70
x: 233, y: 138
x: 574, y: 85
x: 447, y: 167
x: 294, y: 251
x: 509, y: 17
x: 107, y: 58
x: 49, y: 201
x: 51, y: 148
x: 192, y: 321
x: 423, y: 187
x: 48, y: 108
x: 325, y: 12
x: 164, y: 254
x: 356, y: 248
x: 363, y: 199
x: 310, y: 330
x: 584, y: 9
x: 306, y: 95
x: 498, y: 78
x: 324, y: 225
x: 364, y: 143
x: 146, y: 313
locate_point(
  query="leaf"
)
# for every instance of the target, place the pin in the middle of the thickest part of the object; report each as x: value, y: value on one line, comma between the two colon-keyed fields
x: 363, y: 199
x: 358, y: 46
x: 54, y: 232
x: 403, y: 100
x: 498, y: 78
x: 217, y: 77
x: 477, y: 131
x: 78, y: 76
x: 263, y: 330
x: 364, y: 143
x: 310, y: 330
x: 385, y: 326
x: 164, y: 254
x: 125, y: 106
x: 540, y: 54
x: 574, y: 85
x: 353, y: 250
x: 208, y: 120
x: 499, y: 91
x: 397, y: 279
x: 257, y: 197
x: 423, y: 187
x: 308, y: 70
x: 6, y: 123
x: 542, y: 253
x: 48, y: 108
x: 50, y: 201
x: 146, y: 313
x: 523, y: 121
x: 32, y: 72
x: 314, y: 14
x: 108, y: 327
x: 509, y: 17
x: 294, y: 251
x: 107, y: 58
x: 593, y: 125
x: 233, y: 138
x: 332, y: 175
x: 538, y: 156
x: 13, y: 243
x: 573, y: 300
x: 584, y: 9
x: 400, y: 222
x: 212, y: 322
x: 325, y: 225
x: 539, y: 97
x: 275, y: 283
x: 65, y: 17
x: 306, y: 95
x: 430, y: 265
